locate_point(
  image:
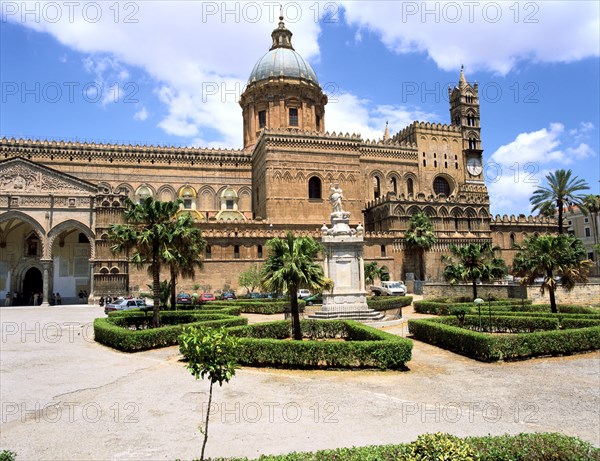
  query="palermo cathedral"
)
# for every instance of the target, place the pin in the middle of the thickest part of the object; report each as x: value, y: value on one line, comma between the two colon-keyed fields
x: 58, y: 199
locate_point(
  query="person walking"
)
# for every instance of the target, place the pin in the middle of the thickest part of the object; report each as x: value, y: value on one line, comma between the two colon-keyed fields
x: 8, y: 298
x: 58, y: 299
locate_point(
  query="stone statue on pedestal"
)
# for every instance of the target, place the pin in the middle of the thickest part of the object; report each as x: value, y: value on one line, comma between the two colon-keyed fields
x: 335, y: 198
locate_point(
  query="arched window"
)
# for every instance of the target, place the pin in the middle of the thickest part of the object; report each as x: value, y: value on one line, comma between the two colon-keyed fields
x: 376, y: 187
x: 441, y: 186
x: 208, y: 252
x: 314, y: 187
x: 383, y: 251
x: 409, y: 186
x: 394, y: 185
x: 259, y: 251
x: 236, y: 252
x: 512, y: 240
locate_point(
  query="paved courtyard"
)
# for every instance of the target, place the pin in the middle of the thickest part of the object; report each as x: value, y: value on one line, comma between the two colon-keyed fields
x: 65, y: 397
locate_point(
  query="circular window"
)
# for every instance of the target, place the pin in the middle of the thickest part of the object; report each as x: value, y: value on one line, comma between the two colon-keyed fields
x: 441, y: 186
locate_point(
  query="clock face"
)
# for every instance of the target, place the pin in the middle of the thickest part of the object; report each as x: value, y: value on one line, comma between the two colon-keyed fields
x: 474, y: 166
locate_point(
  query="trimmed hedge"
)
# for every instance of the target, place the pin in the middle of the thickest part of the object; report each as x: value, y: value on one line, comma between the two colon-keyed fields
x: 440, y: 308
x: 258, y: 306
x: 508, y: 324
x: 384, y: 303
x: 115, y: 331
x: 357, y: 345
x: 488, y: 347
x: 521, y: 447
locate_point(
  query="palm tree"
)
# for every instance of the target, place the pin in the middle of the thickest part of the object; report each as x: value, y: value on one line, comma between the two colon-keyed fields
x: 561, y: 191
x: 291, y: 265
x: 471, y: 262
x: 551, y: 256
x: 147, y: 233
x: 187, y: 247
x: 420, y: 237
x: 372, y: 272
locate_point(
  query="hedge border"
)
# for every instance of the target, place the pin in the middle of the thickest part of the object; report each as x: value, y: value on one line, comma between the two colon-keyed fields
x: 258, y: 306
x: 439, y: 308
x: 364, y: 347
x: 488, y: 348
x: 108, y: 333
x: 384, y: 303
x: 520, y: 447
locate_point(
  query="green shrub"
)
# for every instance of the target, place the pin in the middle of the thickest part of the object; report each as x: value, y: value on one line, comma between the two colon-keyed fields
x: 441, y: 447
x: 8, y: 455
x: 488, y: 347
x: 521, y: 447
x: 533, y: 447
x: 383, y: 303
x: 354, y: 345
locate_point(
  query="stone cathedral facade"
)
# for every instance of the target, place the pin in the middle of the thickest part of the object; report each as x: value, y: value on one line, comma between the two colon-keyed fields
x: 58, y: 199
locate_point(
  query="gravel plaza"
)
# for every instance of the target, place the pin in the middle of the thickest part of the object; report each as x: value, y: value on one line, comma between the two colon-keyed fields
x: 66, y: 397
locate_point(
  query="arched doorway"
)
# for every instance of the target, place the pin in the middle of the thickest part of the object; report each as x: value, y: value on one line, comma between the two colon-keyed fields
x: 32, y: 283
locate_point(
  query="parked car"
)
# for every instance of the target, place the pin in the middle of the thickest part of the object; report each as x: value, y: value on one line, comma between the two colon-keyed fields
x: 303, y: 293
x: 184, y: 298
x: 255, y: 295
x: 314, y: 299
x: 228, y: 295
x: 125, y: 304
x: 207, y: 297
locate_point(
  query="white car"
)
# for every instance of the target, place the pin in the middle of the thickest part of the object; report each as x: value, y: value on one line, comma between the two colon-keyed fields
x: 125, y: 304
x: 303, y: 293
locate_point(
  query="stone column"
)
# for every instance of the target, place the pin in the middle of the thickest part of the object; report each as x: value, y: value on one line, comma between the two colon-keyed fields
x: 45, y: 282
x: 91, y: 294
x: 361, y: 268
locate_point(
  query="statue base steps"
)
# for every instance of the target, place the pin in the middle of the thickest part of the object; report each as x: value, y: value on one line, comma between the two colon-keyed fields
x: 362, y: 315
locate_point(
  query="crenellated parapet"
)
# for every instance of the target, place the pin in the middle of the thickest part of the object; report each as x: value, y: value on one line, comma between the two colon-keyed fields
x: 409, y: 134
x: 120, y: 153
x: 524, y: 220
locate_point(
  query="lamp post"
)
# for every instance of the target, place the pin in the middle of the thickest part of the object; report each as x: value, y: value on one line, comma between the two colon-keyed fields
x: 478, y: 302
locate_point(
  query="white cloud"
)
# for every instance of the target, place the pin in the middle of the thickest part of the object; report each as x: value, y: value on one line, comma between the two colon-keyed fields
x: 348, y: 113
x: 519, y: 167
x: 141, y: 114
x: 537, y: 146
x: 483, y: 35
x: 188, y: 47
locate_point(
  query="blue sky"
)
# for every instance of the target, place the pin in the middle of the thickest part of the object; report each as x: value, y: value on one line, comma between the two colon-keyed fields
x: 152, y: 72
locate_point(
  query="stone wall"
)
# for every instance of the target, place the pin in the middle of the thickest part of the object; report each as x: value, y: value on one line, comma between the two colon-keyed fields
x: 581, y: 294
x: 439, y: 290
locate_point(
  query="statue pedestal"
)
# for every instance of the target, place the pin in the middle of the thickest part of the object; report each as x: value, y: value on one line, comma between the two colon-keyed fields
x: 344, y: 264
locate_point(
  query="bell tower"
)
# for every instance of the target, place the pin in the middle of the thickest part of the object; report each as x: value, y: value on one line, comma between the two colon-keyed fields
x: 464, y: 112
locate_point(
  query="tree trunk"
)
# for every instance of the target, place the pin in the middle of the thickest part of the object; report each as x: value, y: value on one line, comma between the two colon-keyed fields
x: 474, y: 289
x: 206, y: 424
x: 296, y: 331
x: 173, y: 287
x: 155, y: 287
x: 553, y: 308
x: 560, y: 216
x: 421, y: 265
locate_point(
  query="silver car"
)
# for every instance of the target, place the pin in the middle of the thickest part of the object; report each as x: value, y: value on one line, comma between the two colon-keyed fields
x: 125, y: 304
